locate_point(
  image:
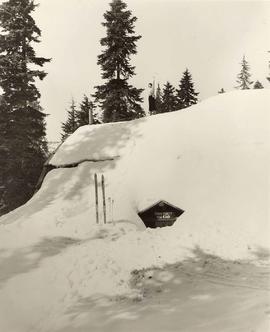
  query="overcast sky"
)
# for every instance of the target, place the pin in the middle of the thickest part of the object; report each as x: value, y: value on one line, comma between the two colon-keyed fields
x: 209, y: 38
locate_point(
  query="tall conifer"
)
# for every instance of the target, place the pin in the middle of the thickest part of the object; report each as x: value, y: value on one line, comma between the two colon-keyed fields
x: 186, y: 94
x: 159, y: 105
x: 85, y: 112
x: 25, y: 137
x: 71, y: 124
x: 243, y: 78
x: 118, y: 99
x: 168, y: 98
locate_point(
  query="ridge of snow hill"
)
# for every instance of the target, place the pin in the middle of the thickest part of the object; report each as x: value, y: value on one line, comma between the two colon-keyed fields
x: 211, y: 160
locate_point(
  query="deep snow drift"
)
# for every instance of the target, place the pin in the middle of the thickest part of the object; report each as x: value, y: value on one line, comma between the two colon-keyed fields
x: 211, y: 160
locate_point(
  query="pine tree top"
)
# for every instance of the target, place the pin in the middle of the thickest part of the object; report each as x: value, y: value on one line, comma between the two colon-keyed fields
x: 169, y: 101
x: 186, y: 94
x: 119, y: 43
x: 243, y: 78
x: 19, y: 31
x: 258, y: 85
x: 70, y: 125
x: 118, y: 100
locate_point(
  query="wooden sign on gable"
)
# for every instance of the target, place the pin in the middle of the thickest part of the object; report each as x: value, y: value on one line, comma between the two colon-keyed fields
x: 160, y: 214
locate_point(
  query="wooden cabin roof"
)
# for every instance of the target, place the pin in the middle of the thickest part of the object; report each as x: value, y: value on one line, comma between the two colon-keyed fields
x: 157, y: 203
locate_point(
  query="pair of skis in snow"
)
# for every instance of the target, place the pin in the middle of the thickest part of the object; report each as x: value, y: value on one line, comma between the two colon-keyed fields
x: 110, y: 200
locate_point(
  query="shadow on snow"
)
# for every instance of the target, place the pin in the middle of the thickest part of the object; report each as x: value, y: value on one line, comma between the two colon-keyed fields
x: 203, y: 293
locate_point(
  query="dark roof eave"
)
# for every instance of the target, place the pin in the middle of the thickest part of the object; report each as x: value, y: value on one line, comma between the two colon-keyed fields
x: 162, y: 200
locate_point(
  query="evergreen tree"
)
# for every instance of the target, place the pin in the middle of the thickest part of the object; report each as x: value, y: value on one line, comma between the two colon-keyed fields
x: 186, y: 95
x: 159, y: 105
x: 24, y: 136
x: 169, y: 101
x: 243, y: 78
x: 258, y: 85
x: 4, y: 156
x: 71, y: 123
x: 117, y: 99
x: 85, y: 112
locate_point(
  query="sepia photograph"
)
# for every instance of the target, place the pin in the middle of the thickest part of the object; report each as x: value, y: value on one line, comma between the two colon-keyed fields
x: 134, y: 166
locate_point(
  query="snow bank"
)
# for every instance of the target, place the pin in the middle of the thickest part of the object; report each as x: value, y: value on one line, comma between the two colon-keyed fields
x: 211, y: 160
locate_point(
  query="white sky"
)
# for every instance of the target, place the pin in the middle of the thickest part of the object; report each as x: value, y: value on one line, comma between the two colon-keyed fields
x: 209, y: 38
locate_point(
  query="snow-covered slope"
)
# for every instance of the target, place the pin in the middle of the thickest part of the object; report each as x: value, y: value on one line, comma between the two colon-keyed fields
x: 211, y: 160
